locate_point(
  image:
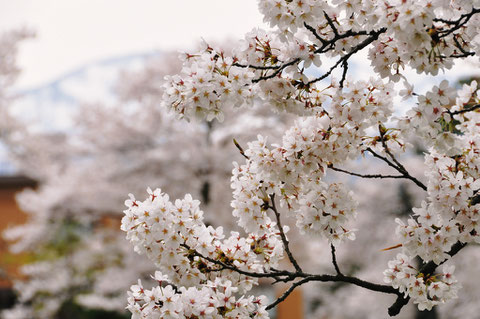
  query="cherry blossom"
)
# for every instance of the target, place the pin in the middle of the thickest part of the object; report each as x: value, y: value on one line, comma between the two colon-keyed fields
x: 342, y: 120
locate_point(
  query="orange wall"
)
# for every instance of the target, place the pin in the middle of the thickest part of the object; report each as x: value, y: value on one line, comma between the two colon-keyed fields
x: 292, y: 307
x: 10, y: 215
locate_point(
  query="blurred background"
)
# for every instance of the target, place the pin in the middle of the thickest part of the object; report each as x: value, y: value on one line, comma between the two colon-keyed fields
x: 81, y: 127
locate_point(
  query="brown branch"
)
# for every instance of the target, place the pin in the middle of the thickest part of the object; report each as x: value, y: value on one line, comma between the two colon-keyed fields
x: 430, y: 267
x: 326, y: 46
x: 382, y: 132
x: 459, y: 46
x: 289, y: 276
x: 400, y: 167
x: 330, y: 44
x: 357, y: 282
x: 463, y: 55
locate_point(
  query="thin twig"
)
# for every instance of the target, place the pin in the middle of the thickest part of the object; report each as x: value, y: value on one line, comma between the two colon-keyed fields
x: 470, y: 109
x: 315, y: 34
x: 400, y: 167
x: 382, y: 131
x: 277, y: 72
x: 365, y: 175
x: 257, y: 67
x: 331, y: 24
x: 287, y: 293
x: 459, y: 46
x: 344, y: 74
x: 457, y: 24
x: 236, y: 269
x: 463, y: 55
x: 240, y: 148
x: 282, y: 235
x: 334, y: 261
x: 403, y: 172
x: 373, y: 35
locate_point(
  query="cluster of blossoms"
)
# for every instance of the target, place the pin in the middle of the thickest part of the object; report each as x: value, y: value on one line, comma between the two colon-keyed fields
x: 208, y: 80
x: 451, y: 213
x: 414, y: 33
x: 326, y: 209
x: 292, y: 172
x: 214, y: 300
x: 427, y: 290
x: 188, y: 253
x: 432, y: 119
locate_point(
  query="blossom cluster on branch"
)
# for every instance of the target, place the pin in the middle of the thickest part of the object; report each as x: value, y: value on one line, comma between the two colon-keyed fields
x: 339, y: 121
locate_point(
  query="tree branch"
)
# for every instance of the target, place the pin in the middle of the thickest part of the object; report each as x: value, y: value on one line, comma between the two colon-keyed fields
x: 280, y: 69
x: 344, y: 73
x: 372, y: 36
x: 470, y: 109
x: 236, y: 269
x: 327, y: 45
x: 403, y: 171
x: 282, y: 235
x: 287, y: 293
x: 315, y: 34
x: 338, y: 278
x: 457, y: 24
x: 305, y: 277
x: 365, y: 175
x: 257, y: 67
x: 330, y: 23
x: 334, y: 261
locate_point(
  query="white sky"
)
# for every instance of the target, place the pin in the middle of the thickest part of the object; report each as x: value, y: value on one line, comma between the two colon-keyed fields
x: 71, y: 33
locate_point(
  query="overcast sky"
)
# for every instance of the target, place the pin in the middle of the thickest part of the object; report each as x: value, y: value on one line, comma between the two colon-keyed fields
x: 71, y: 33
